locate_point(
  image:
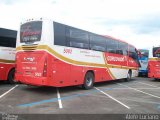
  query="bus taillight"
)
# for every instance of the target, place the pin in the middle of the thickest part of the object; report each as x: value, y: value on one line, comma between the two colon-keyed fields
x: 45, y: 68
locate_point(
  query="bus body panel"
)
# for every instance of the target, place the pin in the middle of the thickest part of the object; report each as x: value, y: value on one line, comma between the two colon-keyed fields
x: 5, y: 69
x: 154, y: 68
x: 61, y: 73
x: 64, y: 72
x: 154, y: 63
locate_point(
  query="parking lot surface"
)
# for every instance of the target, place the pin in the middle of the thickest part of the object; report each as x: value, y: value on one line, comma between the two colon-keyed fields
x: 140, y: 95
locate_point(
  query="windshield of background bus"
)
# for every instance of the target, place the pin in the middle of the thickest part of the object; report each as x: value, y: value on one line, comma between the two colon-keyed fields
x: 31, y: 32
x: 144, y: 53
x: 156, y: 52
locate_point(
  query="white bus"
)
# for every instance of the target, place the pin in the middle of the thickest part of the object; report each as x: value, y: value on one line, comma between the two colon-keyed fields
x: 7, y: 54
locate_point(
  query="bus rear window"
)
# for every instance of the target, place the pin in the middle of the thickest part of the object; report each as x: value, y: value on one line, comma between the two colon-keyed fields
x: 31, y: 32
x: 156, y: 52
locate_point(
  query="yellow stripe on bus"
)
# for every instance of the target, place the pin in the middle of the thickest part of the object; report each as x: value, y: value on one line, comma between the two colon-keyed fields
x: 154, y: 59
x: 68, y: 59
x: 107, y: 67
x: 6, y: 61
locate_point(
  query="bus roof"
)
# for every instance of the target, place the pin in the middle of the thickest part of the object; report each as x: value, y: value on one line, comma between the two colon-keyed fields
x: 8, y: 33
x: 119, y: 40
x: 31, y: 20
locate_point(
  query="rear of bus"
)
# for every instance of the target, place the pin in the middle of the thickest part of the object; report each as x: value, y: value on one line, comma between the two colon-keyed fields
x: 154, y: 63
x: 31, y: 62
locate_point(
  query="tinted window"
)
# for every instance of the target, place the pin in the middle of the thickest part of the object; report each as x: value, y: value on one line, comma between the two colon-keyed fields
x: 97, y: 42
x: 133, y: 53
x: 112, y: 46
x: 77, y: 38
x: 31, y: 32
x: 123, y: 48
x: 156, y: 52
x: 59, y: 34
x: 7, y: 42
x: 144, y: 53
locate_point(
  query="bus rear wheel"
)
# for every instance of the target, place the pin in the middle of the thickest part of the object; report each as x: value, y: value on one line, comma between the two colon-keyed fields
x: 88, y: 81
x: 11, y: 77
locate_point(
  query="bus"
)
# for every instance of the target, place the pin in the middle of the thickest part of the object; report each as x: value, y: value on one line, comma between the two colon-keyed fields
x: 154, y: 63
x: 49, y: 53
x: 143, y: 60
x: 7, y: 54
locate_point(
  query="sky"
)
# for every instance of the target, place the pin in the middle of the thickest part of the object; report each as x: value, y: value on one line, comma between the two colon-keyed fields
x: 134, y: 21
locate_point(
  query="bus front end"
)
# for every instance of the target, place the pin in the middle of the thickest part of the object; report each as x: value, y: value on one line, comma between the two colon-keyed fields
x: 31, y: 60
x: 143, y: 60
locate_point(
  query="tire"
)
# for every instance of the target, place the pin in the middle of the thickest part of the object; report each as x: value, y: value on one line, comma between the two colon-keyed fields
x: 129, y: 76
x: 139, y: 74
x: 11, y: 77
x: 88, y: 81
x: 156, y: 79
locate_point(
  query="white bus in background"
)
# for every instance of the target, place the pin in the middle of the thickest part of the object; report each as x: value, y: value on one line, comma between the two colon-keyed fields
x: 7, y: 54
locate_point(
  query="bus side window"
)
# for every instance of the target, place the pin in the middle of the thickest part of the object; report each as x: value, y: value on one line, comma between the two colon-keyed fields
x: 8, y: 42
x: 123, y: 47
x: 59, y: 34
x: 112, y: 46
x: 97, y: 42
x: 132, y: 53
x: 111, y: 51
x: 77, y: 38
x: 119, y: 52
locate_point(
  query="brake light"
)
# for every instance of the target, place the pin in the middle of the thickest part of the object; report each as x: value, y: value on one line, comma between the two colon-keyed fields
x: 45, y: 68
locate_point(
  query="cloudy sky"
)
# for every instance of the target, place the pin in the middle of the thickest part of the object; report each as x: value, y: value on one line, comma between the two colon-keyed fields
x: 134, y: 21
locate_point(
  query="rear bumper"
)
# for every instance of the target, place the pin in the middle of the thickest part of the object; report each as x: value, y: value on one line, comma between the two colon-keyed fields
x: 154, y: 75
x: 36, y: 81
x: 143, y: 71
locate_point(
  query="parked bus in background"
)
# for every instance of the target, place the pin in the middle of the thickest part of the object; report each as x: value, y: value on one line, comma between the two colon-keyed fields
x: 53, y: 54
x: 154, y: 63
x: 143, y: 60
x: 7, y: 54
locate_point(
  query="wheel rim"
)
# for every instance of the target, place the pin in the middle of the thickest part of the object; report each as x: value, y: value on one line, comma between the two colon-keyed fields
x: 89, y: 81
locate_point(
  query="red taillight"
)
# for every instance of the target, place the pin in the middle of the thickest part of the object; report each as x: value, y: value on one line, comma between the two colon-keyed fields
x: 45, y: 68
x: 149, y: 68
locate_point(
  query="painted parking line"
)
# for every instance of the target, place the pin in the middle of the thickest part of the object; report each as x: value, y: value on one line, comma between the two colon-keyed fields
x: 59, y: 99
x: 139, y: 90
x: 112, y: 98
x: 147, y: 84
x: 71, y: 97
x: 8, y: 91
x: 91, y: 92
